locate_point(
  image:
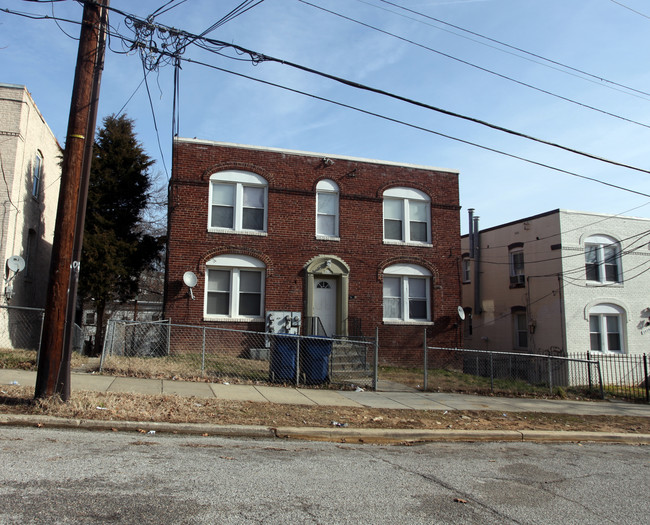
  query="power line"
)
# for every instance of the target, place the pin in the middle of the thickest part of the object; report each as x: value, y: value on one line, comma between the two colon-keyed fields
x: 550, y: 61
x: 420, y: 128
x: 629, y: 8
x: 176, y: 40
x: 486, y: 70
x: 572, y: 230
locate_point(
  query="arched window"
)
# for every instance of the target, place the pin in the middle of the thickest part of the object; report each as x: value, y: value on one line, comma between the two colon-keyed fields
x: 37, y: 174
x: 407, y: 293
x: 606, y: 322
x: 234, y: 287
x: 327, y: 209
x: 238, y: 202
x: 602, y: 259
x: 407, y: 216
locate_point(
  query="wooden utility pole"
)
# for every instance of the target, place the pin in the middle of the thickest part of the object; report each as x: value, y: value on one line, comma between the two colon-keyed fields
x: 53, y: 375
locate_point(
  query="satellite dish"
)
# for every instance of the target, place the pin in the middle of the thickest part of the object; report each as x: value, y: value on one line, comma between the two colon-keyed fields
x: 461, y: 313
x: 189, y: 278
x: 16, y: 263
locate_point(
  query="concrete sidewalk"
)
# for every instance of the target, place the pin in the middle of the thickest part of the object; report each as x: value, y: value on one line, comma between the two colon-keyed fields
x: 413, y: 400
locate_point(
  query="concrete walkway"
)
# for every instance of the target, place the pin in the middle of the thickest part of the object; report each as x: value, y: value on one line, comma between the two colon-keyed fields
x: 413, y: 400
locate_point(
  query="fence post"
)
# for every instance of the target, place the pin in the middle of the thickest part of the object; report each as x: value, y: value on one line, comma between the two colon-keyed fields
x: 110, y: 328
x: 647, y: 378
x: 591, y: 386
x: 550, y: 374
x: 426, y: 363
x: 491, y: 372
x: 600, y: 380
x: 203, y: 353
x: 375, y: 375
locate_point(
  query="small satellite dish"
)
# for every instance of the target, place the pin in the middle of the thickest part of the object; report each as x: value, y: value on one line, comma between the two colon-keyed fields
x: 461, y: 313
x: 16, y: 263
x: 189, y: 278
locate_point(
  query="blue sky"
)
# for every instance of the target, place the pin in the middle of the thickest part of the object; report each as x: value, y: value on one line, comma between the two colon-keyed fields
x: 600, y: 37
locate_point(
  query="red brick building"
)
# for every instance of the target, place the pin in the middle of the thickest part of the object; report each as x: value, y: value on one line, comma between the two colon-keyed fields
x: 350, y: 244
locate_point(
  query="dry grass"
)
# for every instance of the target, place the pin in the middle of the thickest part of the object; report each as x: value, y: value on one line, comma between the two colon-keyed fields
x: 175, y: 409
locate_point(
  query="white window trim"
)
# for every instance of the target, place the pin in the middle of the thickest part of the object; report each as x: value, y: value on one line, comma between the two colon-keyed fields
x: 404, y: 272
x: 238, y: 179
x: 234, y: 263
x: 329, y: 187
x: 406, y: 196
x: 601, y: 242
x: 602, y: 311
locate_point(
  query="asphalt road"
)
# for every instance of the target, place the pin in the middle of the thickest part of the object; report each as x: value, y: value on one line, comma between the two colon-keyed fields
x: 66, y: 476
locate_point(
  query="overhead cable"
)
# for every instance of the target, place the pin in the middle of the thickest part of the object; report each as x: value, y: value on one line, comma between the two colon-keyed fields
x: 481, y: 68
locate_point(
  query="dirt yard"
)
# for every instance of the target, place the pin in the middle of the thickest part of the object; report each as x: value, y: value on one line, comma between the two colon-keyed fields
x: 175, y: 409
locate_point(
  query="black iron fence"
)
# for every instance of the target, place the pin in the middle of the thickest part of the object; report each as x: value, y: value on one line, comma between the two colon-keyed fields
x: 514, y: 372
x: 624, y: 376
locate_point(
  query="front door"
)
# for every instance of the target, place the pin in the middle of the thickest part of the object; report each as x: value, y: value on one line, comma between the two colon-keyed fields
x: 325, y: 304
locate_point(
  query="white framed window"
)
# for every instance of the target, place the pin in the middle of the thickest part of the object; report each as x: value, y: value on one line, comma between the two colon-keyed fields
x: 407, y: 295
x: 602, y: 260
x: 327, y: 209
x: 238, y: 202
x: 606, y: 328
x: 520, y: 326
x: 234, y: 288
x: 37, y: 173
x: 517, y: 273
x: 407, y: 216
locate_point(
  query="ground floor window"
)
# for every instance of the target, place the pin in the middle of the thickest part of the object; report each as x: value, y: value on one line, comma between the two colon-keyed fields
x: 234, y: 287
x: 520, y: 325
x: 605, y: 328
x: 407, y: 293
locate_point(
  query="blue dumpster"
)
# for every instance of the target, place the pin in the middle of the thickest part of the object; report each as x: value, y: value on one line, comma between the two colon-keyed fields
x: 283, y: 359
x: 315, y: 355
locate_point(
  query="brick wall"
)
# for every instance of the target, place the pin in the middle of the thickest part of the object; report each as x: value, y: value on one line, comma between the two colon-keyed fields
x: 291, y: 241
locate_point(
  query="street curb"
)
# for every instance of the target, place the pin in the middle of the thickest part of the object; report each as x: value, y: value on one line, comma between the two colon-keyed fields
x: 138, y: 426
x: 337, y: 435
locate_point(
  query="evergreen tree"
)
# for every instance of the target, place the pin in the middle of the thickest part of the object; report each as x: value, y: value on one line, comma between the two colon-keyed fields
x: 116, y: 245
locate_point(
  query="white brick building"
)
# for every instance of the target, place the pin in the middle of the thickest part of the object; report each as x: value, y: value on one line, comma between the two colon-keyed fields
x: 562, y: 282
x: 30, y: 160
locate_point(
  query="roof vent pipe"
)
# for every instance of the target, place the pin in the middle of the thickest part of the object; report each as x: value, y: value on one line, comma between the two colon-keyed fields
x: 470, y: 211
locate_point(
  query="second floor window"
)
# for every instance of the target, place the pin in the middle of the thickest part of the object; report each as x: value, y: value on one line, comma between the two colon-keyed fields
x: 37, y: 170
x: 602, y: 260
x: 517, y: 274
x: 407, y: 216
x: 327, y: 209
x: 238, y: 202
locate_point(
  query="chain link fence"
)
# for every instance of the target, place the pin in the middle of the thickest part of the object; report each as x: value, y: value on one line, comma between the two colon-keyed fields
x: 238, y: 356
x: 20, y: 327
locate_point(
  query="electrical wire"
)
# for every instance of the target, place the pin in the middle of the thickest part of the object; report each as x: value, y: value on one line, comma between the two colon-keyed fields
x: 420, y: 128
x: 177, y: 39
x: 486, y: 70
x: 629, y: 8
x: 155, y: 123
x: 596, y: 78
x: 566, y: 231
